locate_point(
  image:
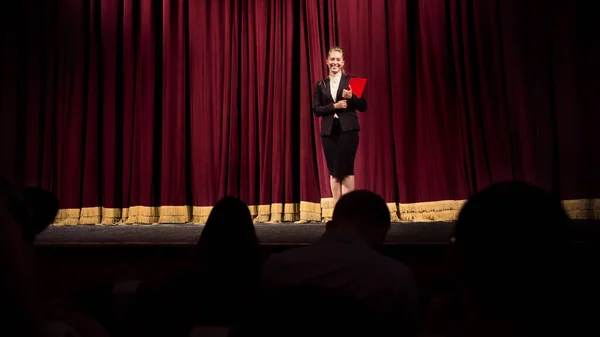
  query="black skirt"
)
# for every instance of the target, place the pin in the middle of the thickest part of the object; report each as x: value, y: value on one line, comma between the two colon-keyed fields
x: 340, y: 150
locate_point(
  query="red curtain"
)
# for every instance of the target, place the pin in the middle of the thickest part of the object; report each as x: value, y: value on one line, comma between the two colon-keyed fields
x: 150, y: 111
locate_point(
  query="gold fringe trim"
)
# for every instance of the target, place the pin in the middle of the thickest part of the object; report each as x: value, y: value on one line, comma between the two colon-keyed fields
x: 276, y: 213
x: 327, y: 206
x: 68, y: 217
x: 310, y: 211
x: 305, y: 211
x: 447, y: 210
x: 432, y: 206
x: 429, y: 216
x: 443, y: 210
x: 583, y: 209
x: 393, y: 207
x: 141, y: 215
x: 200, y: 213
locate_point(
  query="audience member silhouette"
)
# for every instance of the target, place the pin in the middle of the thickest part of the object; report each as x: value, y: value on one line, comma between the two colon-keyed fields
x: 511, y: 246
x: 33, y: 208
x: 226, y: 273
x: 42, y: 208
x: 23, y: 214
x: 228, y: 248
x: 21, y: 307
x: 346, y: 259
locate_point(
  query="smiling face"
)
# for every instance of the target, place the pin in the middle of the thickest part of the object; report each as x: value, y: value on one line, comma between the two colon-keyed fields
x: 335, y: 61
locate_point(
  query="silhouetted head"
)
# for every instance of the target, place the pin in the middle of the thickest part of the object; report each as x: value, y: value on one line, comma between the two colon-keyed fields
x: 228, y: 240
x: 33, y: 208
x: 364, y: 212
x: 43, y: 207
x: 511, y: 241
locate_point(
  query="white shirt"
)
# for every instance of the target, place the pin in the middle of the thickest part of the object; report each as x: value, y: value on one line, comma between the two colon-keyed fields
x: 341, y: 260
x: 334, y: 84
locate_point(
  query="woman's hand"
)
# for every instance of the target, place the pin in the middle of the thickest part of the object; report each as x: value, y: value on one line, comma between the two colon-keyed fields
x: 347, y: 93
x: 340, y: 104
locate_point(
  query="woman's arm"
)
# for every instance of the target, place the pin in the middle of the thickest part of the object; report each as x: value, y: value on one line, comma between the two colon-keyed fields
x: 319, y: 109
x: 359, y: 104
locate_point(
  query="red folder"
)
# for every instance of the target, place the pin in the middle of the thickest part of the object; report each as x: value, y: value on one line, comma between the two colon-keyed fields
x: 357, y: 84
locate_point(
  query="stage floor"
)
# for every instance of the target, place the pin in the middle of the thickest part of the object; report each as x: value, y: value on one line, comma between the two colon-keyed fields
x: 187, y: 234
x: 404, y: 233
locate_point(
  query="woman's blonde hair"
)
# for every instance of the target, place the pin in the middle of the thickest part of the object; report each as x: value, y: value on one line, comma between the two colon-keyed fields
x: 339, y: 50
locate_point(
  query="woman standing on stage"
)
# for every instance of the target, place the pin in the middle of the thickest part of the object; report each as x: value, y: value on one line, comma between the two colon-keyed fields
x: 335, y: 103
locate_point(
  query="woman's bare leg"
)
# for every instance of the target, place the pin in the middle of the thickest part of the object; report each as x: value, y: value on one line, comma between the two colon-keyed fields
x: 336, y: 189
x: 347, y: 184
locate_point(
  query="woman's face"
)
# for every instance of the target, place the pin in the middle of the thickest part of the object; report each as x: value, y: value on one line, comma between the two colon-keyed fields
x: 335, y: 62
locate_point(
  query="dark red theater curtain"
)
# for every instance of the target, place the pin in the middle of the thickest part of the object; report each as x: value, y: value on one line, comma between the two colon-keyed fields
x: 150, y: 111
x: 214, y: 115
x: 266, y: 107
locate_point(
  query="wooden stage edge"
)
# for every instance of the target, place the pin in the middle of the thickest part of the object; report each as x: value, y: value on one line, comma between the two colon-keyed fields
x: 402, y: 233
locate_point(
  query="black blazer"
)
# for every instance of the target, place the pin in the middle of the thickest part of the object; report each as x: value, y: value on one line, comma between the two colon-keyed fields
x: 323, y: 107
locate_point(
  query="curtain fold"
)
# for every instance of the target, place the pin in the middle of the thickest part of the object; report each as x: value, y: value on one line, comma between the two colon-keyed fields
x: 145, y: 112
